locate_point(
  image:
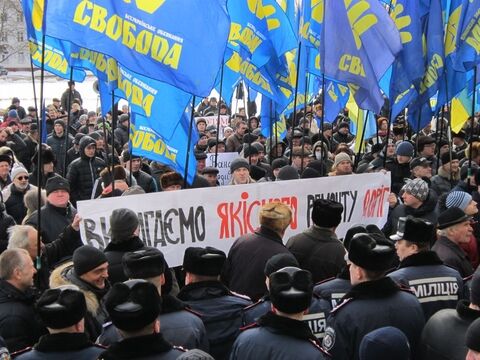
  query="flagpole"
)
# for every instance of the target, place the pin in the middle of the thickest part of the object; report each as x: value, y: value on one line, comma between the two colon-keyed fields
x: 245, y: 105
x: 271, y: 132
x: 322, y: 119
x: 105, y: 140
x: 362, y: 139
x: 218, y: 118
x: 189, y: 142
x: 294, y: 122
x: 418, y: 130
x: 304, y: 114
x: 388, y: 134
x: 130, y: 152
x: 442, y: 125
x: 40, y: 159
x: 114, y: 124
x: 34, y: 90
x: 68, y: 122
x: 472, y: 122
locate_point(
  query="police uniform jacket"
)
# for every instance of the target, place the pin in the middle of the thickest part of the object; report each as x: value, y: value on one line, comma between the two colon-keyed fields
x: 62, y: 346
x: 443, y: 337
x: 452, y: 255
x: 319, y: 251
x: 315, y: 318
x: 279, y: 338
x: 221, y: 312
x: 247, y: 258
x: 369, y: 306
x: 334, y: 289
x: 435, y: 285
x: 149, y: 347
x: 179, y: 326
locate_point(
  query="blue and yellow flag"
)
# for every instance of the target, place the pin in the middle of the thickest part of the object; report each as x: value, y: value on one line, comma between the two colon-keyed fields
x: 272, y: 123
x: 336, y: 97
x: 260, y: 30
x: 148, y: 142
x: 56, y: 51
x: 468, y: 45
x: 180, y: 42
x: 360, y: 42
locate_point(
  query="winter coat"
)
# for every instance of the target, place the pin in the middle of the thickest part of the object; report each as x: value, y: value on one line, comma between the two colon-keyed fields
x: 121, y: 135
x: 6, y: 221
x: 435, y: 285
x: 18, y: 325
x: 319, y: 251
x: 452, y: 255
x: 13, y: 199
x: 233, y: 143
x: 74, y: 346
x: 83, y: 172
x: 426, y: 211
x: 369, y: 306
x: 145, y: 181
x: 277, y: 337
x: 443, y: 337
x: 244, y: 268
x: 441, y: 183
x: 398, y: 172
x: 58, y: 147
x: 221, y: 312
x: 114, y: 253
x: 54, y: 220
x: 73, y: 95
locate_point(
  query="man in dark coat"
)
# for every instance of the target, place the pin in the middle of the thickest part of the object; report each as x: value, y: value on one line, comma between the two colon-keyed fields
x: 121, y: 132
x: 443, y: 337
x: 281, y: 333
x: 399, y: 166
x: 373, y: 302
x: 249, y: 253
x: 455, y: 228
x: 144, y: 180
x: 62, y: 310
x: 83, y: 172
x: 57, y: 213
x: 436, y: 286
x: 18, y: 324
x: 220, y: 308
x: 13, y: 194
x: 134, y: 307
x: 318, y: 249
x: 180, y: 326
x: 418, y: 201
x: 60, y: 141
x: 124, y: 230
x: 70, y: 94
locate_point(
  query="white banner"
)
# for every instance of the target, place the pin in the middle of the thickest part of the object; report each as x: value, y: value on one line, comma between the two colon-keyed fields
x: 175, y: 220
x: 212, y: 120
x: 223, y: 165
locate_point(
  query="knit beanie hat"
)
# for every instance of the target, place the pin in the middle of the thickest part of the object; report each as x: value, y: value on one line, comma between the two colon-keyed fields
x: 472, y: 337
x: 341, y: 157
x: 86, y: 258
x: 17, y: 170
x: 288, y: 172
x: 446, y: 157
x: 405, y: 148
x: 458, y: 199
x: 123, y: 222
x: 418, y: 188
x: 384, y: 343
x: 239, y: 163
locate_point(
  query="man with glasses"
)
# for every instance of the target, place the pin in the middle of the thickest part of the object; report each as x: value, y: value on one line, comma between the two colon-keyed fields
x: 12, y: 195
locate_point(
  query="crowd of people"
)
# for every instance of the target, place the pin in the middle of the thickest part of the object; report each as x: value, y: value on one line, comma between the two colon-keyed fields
x: 410, y: 290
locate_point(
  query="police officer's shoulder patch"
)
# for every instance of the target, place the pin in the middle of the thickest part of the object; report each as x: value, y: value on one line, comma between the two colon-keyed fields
x: 329, y: 338
x: 341, y: 305
x: 245, y: 297
x: 261, y: 301
x: 324, y: 281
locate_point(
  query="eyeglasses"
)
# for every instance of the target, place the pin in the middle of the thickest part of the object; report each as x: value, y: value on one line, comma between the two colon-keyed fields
x: 22, y: 178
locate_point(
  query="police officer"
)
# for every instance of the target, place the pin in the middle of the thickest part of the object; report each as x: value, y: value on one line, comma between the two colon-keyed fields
x: 436, y: 286
x: 180, y: 325
x: 316, y: 314
x: 62, y: 310
x: 281, y: 333
x: 374, y: 301
x: 134, y: 307
x: 221, y: 309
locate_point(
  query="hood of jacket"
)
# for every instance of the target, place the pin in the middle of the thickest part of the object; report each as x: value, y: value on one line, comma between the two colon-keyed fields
x: 84, y: 142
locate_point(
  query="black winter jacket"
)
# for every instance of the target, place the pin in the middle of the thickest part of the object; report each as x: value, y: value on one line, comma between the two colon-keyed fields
x: 83, y: 172
x: 58, y: 147
x: 18, y: 324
